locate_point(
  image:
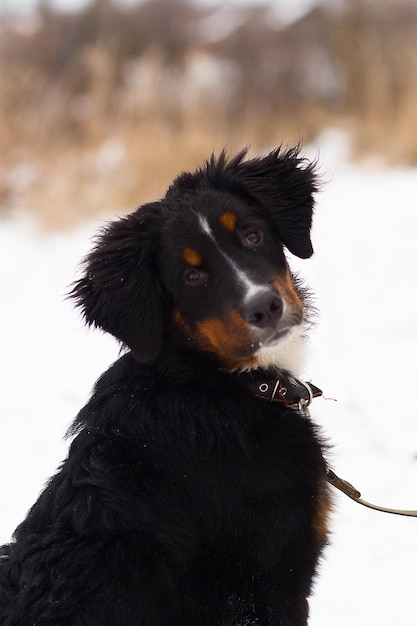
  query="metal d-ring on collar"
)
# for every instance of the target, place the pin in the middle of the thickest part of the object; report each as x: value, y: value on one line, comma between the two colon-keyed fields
x: 304, y: 403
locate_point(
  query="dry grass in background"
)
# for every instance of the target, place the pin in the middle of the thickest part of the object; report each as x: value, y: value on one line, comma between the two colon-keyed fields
x: 99, y: 110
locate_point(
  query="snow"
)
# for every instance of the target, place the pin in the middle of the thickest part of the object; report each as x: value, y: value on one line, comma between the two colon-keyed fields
x: 363, y: 353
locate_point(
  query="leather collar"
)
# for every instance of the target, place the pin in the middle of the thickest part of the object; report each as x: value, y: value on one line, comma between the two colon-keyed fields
x: 285, y: 389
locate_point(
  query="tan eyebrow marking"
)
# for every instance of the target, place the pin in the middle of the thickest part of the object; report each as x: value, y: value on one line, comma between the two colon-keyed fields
x: 228, y: 221
x: 192, y: 257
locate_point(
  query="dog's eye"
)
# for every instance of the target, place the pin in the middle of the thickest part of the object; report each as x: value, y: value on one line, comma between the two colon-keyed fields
x: 252, y: 238
x: 195, y: 277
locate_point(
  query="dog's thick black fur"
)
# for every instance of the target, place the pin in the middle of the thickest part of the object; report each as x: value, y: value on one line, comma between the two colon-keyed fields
x: 185, y: 499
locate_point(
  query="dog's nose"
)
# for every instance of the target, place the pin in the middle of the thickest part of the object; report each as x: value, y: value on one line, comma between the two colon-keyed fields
x: 263, y: 310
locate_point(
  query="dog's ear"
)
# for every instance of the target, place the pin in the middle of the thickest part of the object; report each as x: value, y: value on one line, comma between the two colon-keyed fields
x: 119, y: 290
x: 280, y: 186
x: 287, y: 197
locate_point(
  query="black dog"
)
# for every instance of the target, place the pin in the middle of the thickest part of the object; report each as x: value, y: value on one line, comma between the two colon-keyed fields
x: 194, y: 492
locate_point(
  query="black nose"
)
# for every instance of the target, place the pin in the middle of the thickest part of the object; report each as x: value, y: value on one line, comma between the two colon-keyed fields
x: 263, y: 310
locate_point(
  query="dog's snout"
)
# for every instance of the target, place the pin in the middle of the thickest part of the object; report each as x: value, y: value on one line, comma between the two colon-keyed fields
x: 263, y: 310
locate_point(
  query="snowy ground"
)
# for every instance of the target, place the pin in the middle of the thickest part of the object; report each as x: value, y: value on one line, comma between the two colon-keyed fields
x: 363, y: 353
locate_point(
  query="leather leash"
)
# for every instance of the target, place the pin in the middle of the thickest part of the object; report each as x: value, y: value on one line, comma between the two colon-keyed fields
x: 350, y: 491
x: 293, y: 392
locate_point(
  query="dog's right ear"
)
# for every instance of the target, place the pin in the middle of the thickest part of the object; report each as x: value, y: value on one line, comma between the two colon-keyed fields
x: 119, y: 291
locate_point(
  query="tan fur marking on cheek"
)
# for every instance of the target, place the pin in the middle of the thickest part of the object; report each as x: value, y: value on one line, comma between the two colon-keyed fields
x: 219, y: 337
x: 213, y: 334
x: 228, y: 221
x: 192, y: 257
x: 285, y: 286
x: 225, y: 337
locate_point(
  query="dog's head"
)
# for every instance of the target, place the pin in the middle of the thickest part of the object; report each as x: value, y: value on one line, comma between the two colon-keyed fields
x: 208, y: 260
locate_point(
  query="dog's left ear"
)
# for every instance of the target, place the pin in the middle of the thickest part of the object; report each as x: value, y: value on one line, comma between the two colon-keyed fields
x: 282, y: 185
x: 119, y: 291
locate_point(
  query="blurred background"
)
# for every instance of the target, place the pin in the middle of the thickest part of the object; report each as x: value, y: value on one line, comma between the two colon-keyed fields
x: 102, y: 102
x: 101, y: 105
